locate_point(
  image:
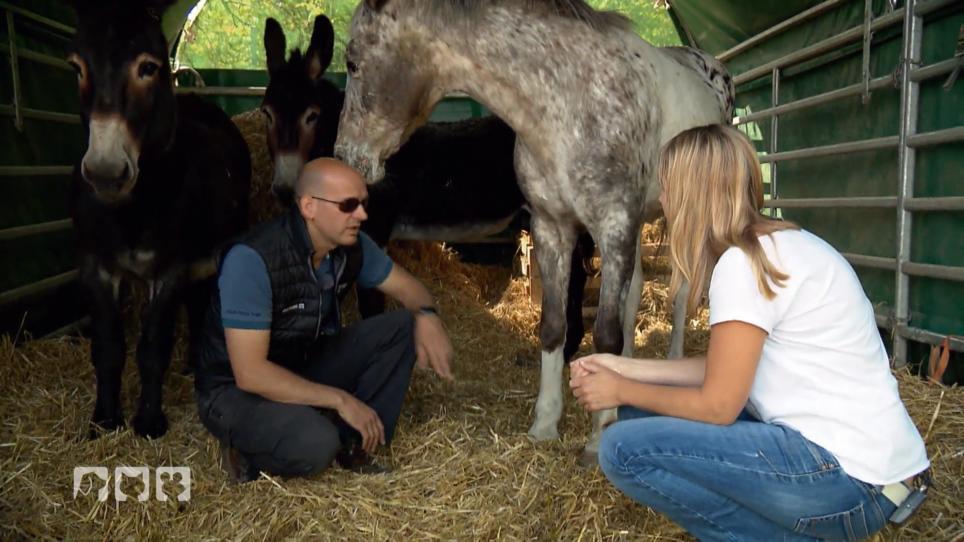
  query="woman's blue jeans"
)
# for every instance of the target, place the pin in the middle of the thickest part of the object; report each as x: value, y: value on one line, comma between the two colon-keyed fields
x: 745, y: 481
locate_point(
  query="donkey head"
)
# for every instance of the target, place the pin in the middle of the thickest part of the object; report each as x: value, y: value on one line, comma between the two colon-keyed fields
x: 126, y: 91
x: 391, y: 84
x: 300, y: 106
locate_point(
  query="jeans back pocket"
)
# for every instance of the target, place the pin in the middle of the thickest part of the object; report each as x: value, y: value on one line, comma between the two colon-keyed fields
x: 850, y: 525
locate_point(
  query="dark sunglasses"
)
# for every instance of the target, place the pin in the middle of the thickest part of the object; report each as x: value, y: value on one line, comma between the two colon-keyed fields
x: 346, y: 206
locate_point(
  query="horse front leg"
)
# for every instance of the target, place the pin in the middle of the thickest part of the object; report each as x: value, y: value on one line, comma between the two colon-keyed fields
x: 553, y: 244
x: 107, y: 346
x: 615, y: 327
x: 154, y: 354
x: 679, y: 321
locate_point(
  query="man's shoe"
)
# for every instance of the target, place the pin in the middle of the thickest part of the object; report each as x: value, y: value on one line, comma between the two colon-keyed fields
x: 236, y: 465
x: 355, y: 459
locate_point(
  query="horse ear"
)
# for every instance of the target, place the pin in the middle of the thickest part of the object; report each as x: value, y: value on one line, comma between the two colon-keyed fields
x: 375, y: 5
x: 322, y: 47
x: 274, y: 45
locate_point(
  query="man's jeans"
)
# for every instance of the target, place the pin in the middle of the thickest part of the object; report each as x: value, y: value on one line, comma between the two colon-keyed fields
x: 746, y: 481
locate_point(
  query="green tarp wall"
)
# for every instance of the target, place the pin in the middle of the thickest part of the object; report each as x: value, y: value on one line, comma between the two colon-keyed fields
x: 938, y: 237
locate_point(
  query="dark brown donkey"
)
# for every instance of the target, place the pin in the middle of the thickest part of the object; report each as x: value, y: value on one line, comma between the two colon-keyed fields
x: 163, y: 182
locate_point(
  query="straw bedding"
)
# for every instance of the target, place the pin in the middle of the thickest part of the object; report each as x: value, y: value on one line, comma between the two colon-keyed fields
x: 463, y: 466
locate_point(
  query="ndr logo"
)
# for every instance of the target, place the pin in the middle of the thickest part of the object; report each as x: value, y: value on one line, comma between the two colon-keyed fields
x: 162, y: 475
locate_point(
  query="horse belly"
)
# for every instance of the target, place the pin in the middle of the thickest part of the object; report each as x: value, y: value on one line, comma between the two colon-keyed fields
x: 460, y: 232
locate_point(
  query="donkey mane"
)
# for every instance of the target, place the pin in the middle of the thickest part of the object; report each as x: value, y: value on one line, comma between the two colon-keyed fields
x: 448, y: 12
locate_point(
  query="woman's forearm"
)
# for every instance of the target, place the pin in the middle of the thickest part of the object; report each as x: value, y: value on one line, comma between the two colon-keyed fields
x: 674, y: 372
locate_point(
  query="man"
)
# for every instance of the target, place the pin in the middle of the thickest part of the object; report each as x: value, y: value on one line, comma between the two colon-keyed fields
x: 279, y: 382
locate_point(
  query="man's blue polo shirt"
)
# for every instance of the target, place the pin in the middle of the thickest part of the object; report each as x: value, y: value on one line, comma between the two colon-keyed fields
x: 245, y: 288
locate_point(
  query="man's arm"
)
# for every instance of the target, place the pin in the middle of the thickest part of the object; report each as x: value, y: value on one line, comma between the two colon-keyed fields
x: 431, y: 342
x: 254, y: 373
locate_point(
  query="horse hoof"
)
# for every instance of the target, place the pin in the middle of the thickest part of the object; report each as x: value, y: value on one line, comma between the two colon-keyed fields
x: 150, y: 426
x: 588, y: 459
x: 543, y: 433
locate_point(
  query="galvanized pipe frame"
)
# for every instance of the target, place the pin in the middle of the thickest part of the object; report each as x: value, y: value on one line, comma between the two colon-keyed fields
x: 911, y: 74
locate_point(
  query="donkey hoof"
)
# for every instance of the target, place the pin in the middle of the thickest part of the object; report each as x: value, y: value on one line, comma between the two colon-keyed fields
x: 99, y: 426
x: 150, y: 426
x: 588, y: 459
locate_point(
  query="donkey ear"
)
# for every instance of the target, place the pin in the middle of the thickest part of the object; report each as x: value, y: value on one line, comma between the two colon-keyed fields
x: 375, y: 5
x: 274, y: 45
x: 322, y: 47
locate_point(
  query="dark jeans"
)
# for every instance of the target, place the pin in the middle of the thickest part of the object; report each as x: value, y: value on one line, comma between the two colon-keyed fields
x: 746, y: 481
x: 372, y: 360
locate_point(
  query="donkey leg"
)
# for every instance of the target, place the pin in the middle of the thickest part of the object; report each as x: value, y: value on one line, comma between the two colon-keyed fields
x: 197, y: 300
x: 107, y: 346
x: 553, y: 243
x: 679, y: 322
x: 154, y: 356
x: 615, y: 326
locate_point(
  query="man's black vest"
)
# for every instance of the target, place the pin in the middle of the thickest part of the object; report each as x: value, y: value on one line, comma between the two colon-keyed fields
x: 296, y: 299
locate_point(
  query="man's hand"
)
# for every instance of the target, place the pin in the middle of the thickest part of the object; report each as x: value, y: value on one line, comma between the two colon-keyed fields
x: 595, y: 386
x: 364, y: 420
x: 432, y: 345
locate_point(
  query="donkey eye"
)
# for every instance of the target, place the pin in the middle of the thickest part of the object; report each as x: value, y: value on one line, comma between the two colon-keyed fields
x: 311, y: 118
x: 147, y: 69
x: 267, y: 114
x: 77, y: 70
x: 352, y: 67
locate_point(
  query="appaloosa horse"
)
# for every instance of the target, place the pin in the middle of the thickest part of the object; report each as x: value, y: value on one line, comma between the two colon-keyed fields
x: 451, y: 181
x: 590, y: 103
x: 162, y: 183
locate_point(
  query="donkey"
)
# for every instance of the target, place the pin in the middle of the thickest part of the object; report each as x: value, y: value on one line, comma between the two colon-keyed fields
x: 591, y: 103
x: 163, y: 182
x: 451, y: 181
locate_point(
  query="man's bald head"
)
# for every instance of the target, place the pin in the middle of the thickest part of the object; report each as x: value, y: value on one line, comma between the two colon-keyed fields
x: 320, y: 171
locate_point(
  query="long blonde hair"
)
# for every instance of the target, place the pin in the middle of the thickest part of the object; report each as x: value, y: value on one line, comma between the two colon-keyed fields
x: 713, y: 193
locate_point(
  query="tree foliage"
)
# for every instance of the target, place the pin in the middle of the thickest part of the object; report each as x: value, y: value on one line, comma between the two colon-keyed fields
x: 228, y: 33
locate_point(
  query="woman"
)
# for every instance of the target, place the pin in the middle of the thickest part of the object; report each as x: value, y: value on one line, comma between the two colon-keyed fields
x: 791, y: 427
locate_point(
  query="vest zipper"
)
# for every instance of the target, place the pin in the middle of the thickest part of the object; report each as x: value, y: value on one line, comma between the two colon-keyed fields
x: 320, y: 297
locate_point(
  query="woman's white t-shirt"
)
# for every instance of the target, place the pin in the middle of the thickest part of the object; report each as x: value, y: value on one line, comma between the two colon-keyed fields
x: 824, y: 370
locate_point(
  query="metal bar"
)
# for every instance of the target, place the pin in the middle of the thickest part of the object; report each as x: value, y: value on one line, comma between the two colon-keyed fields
x: 38, y: 287
x: 929, y: 6
x: 221, y: 91
x: 817, y: 49
x: 943, y: 272
x: 855, y: 202
x: 66, y: 118
x: 909, y: 102
x: 838, y: 148
x: 949, y: 203
x: 865, y: 61
x: 15, y: 73
x: 35, y: 229
x: 819, y: 99
x: 779, y: 28
x: 68, y: 329
x: 929, y: 337
x: 936, y: 69
x: 947, y: 135
x: 875, y: 262
x: 34, y: 171
x: 774, y: 128
x: 42, y: 58
x: 39, y: 18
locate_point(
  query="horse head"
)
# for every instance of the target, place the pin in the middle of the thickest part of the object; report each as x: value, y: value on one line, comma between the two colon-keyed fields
x: 126, y: 90
x: 389, y: 93
x: 300, y: 106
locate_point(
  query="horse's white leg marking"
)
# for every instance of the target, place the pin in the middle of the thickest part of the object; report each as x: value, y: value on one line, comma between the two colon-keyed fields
x: 679, y: 322
x: 633, y: 298
x: 549, y: 403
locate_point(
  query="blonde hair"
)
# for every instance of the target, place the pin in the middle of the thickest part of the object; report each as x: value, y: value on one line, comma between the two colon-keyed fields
x: 713, y: 193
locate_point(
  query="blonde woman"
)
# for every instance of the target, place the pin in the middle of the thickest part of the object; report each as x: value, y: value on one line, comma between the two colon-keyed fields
x: 791, y: 427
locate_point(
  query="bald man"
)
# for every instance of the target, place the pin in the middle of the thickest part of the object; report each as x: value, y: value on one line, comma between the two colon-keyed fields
x: 279, y: 382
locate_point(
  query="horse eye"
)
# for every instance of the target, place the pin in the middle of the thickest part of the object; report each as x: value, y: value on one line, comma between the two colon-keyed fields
x: 352, y: 67
x: 311, y: 118
x: 147, y: 69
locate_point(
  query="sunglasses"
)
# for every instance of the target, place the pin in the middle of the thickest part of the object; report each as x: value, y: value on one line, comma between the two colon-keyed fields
x: 346, y: 206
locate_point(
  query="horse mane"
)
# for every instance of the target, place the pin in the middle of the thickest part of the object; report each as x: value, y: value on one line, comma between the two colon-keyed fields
x: 452, y: 11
